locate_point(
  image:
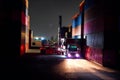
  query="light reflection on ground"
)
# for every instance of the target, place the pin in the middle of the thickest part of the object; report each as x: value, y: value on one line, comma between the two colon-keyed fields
x: 81, y: 66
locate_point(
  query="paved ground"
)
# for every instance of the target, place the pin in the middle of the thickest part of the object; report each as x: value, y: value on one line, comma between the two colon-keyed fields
x: 53, y: 67
x: 57, y: 67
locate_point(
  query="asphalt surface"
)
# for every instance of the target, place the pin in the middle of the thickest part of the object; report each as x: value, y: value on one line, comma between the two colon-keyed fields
x: 34, y: 66
x: 54, y: 67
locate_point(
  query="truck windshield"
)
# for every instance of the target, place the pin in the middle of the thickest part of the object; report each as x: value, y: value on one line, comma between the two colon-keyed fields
x: 72, y: 48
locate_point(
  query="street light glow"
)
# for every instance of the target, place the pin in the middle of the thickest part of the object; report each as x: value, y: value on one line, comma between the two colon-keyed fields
x: 36, y: 38
x: 42, y: 38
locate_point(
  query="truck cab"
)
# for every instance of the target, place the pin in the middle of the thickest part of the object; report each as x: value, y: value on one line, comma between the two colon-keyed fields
x: 72, y: 51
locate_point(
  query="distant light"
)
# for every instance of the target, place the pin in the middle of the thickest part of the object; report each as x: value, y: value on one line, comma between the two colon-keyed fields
x: 42, y: 38
x: 63, y: 47
x: 79, y: 37
x: 59, y: 49
x: 62, y: 39
x: 36, y: 38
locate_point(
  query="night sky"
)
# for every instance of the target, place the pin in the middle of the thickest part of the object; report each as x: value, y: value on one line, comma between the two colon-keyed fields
x: 44, y: 15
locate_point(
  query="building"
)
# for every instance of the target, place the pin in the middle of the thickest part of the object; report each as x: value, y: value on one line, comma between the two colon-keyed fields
x: 76, y: 26
x: 98, y: 22
x: 25, y: 27
x: 101, y: 25
x: 13, y: 24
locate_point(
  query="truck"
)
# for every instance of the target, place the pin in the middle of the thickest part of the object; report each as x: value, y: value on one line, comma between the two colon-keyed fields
x: 73, y: 48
